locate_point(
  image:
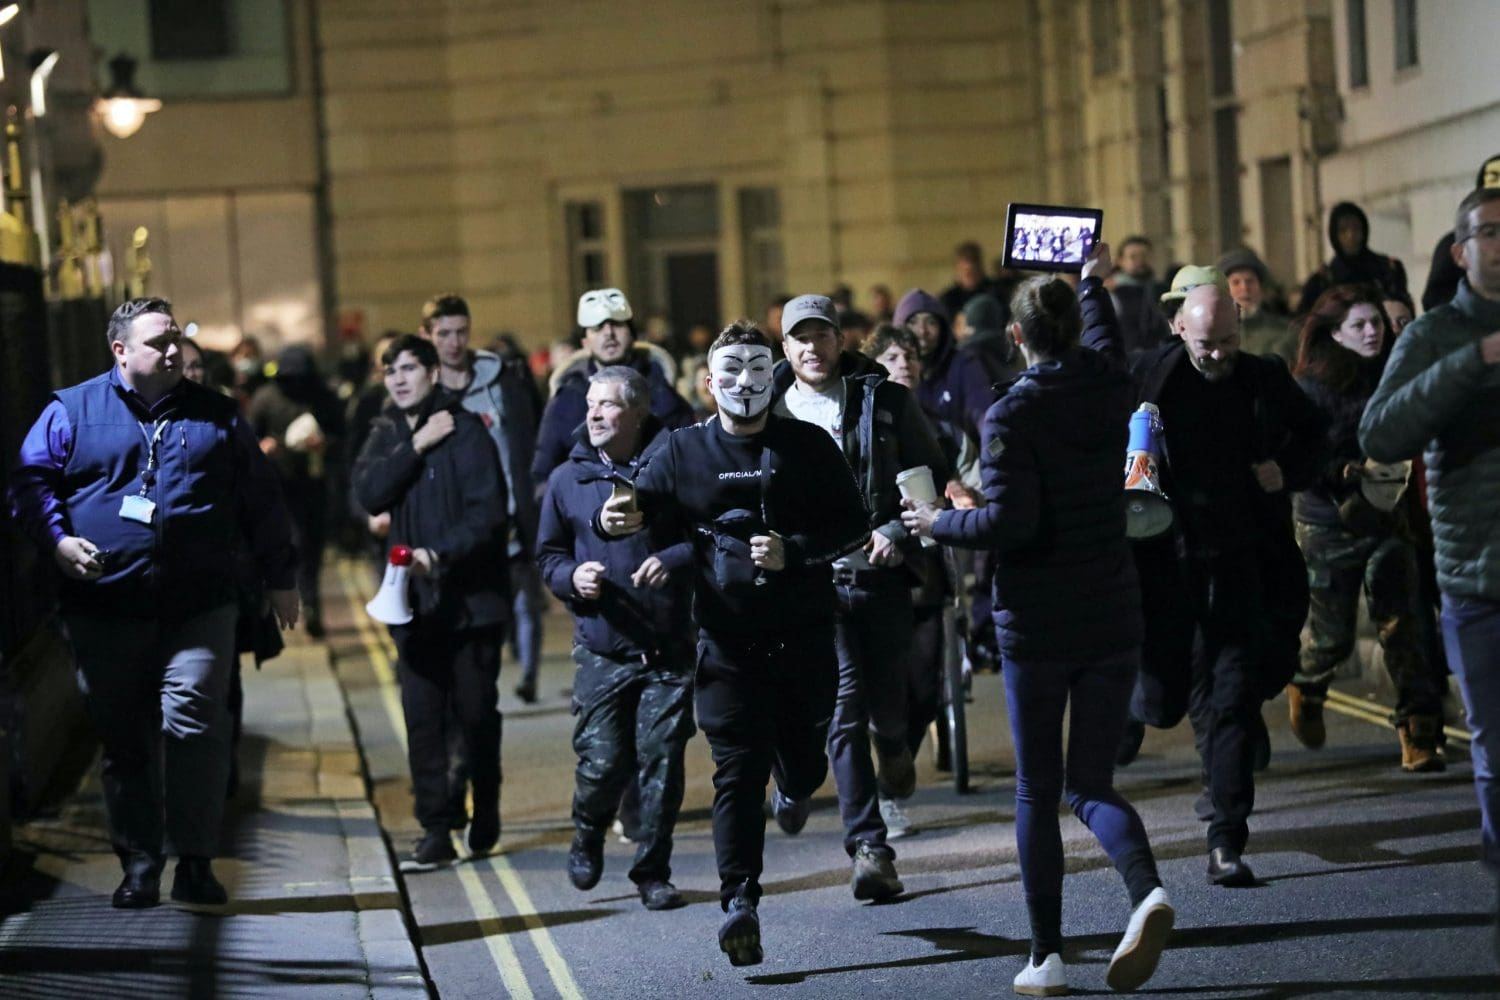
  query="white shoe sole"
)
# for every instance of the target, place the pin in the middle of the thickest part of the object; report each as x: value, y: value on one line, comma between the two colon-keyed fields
x: 1135, y: 959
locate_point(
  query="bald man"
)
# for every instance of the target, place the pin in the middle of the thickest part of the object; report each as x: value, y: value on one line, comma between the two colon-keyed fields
x: 1225, y: 591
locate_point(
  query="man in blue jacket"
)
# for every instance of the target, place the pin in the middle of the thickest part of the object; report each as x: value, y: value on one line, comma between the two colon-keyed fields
x: 631, y: 598
x: 606, y: 325
x: 141, y: 483
x: 880, y: 428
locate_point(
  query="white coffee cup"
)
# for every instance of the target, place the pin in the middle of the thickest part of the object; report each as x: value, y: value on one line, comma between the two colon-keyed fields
x: 916, y: 484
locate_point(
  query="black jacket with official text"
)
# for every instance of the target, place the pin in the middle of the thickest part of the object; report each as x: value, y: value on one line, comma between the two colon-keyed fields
x: 451, y: 499
x: 719, y: 490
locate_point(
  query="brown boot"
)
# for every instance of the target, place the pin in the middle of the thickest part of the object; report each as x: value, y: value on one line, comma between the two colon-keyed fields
x: 1419, y: 744
x: 1306, y: 708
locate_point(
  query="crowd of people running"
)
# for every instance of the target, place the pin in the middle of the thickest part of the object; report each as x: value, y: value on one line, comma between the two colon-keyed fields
x: 755, y: 538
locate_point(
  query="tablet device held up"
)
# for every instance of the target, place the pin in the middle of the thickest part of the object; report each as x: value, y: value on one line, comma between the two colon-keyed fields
x: 1049, y: 237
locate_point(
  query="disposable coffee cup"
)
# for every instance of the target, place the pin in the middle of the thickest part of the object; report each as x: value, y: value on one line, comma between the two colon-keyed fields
x: 916, y: 484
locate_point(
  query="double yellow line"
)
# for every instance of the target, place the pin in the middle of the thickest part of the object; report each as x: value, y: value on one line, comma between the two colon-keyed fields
x: 1367, y: 711
x: 507, y: 962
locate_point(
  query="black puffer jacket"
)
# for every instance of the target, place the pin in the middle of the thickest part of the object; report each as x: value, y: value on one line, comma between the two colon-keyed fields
x: 450, y: 500
x: 1318, y: 504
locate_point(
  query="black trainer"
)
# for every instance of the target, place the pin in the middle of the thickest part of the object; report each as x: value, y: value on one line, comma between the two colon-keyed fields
x: 586, y: 860
x: 433, y: 851
x: 1227, y: 869
x: 526, y: 692
x: 484, y: 832
x: 739, y: 934
x: 659, y: 894
x: 194, y: 882
x: 790, y: 816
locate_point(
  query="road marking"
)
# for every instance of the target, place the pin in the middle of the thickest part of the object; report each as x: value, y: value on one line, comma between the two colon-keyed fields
x: 557, y: 968
x: 1369, y: 711
x: 506, y: 960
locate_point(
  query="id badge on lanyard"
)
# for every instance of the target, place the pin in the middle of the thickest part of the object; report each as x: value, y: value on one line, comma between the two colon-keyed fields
x: 139, y: 507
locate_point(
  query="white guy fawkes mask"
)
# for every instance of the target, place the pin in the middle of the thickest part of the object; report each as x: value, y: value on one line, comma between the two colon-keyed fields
x: 740, y: 378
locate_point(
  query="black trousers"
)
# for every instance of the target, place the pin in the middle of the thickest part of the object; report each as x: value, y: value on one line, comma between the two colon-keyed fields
x: 634, y: 718
x: 924, y: 682
x: 874, y: 639
x: 1217, y: 604
x: 764, y: 705
x: 437, y: 669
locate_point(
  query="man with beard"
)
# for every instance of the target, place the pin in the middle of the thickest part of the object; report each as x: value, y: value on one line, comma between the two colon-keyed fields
x: 1226, y: 587
x: 632, y: 690
x: 769, y: 502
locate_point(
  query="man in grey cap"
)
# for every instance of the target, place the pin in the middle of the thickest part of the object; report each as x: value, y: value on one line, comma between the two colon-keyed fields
x: 880, y: 428
x: 1263, y: 330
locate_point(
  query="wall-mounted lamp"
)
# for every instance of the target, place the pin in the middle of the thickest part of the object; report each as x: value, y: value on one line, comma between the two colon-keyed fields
x: 123, y: 109
x: 43, y: 61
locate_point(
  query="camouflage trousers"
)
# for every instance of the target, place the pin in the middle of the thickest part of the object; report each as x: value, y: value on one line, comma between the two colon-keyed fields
x: 1341, y: 565
x: 633, y: 719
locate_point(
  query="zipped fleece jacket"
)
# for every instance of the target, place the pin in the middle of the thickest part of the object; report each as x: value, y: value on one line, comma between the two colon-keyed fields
x: 451, y: 499
x: 1439, y: 398
x: 884, y: 431
x: 500, y: 397
x: 1053, y: 458
x: 625, y: 622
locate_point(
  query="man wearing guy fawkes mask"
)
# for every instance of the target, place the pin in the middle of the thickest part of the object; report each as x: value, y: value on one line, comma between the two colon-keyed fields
x: 768, y: 503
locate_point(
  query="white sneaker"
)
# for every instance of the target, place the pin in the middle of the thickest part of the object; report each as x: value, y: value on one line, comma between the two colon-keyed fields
x: 1050, y: 979
x: 1145, y: 936
x: 897, y: 823
x: 618, y: 829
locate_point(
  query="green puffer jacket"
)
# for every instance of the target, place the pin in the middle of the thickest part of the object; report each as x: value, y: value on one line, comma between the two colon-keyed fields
x: 1439, y: 397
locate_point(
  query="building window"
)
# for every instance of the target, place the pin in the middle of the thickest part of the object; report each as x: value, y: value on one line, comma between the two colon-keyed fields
x: 1104, y: 36
x: 1359, y: 60
x: 586, y: 252
x: 190, y: 29
x: 1406, y: 34
x: 760, y: 233
x: 1221, y: 47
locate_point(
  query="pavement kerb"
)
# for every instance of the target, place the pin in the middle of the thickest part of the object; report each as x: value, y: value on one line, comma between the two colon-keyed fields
x: 395, y: 968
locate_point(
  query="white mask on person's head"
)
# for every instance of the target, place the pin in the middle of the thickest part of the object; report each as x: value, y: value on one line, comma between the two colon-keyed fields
x: 739, y: 376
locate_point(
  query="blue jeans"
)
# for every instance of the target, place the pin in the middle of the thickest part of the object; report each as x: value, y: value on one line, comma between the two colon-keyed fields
x: 527, y: 605
x: 1036, y: 695
x: 1471, y: 636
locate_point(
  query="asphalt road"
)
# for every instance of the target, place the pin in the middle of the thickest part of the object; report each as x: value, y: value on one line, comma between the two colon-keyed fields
x: 1370, y: 884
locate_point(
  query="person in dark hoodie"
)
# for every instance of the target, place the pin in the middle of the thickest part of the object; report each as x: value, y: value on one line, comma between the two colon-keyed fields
x: 985, y: 318
x: 880, y: 428
x: 300, y: 424
x: 956, y: 385
x: 1445, y: 274
x: 607, y: 328
x: 631, y: 598
x: 432, y: 466
x: 769, y: 503
x: 1067, y: 606
x: 1353, y: 262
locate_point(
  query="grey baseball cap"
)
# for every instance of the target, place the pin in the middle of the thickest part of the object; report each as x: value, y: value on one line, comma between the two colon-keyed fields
x: 808, y: 307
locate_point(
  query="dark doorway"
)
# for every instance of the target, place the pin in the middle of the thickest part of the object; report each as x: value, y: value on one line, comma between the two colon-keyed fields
x: 692, y: 293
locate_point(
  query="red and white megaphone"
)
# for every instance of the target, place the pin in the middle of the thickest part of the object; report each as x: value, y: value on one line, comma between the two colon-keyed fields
x: 390, y: 605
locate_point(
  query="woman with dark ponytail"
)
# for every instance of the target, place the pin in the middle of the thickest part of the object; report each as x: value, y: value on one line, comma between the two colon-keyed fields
x: 1067, y: 605
x: 1353, y: 544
